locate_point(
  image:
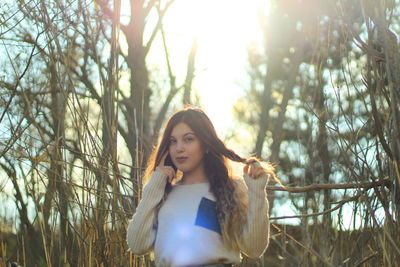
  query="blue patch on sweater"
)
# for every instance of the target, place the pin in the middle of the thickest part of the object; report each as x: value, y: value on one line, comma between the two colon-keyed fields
x: 207, y: 215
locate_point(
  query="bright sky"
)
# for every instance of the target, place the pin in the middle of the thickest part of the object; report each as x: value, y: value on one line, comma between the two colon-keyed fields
x: 224, y: 28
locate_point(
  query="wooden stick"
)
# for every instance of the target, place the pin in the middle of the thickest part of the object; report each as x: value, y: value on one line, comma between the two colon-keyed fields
x: 368, y: 185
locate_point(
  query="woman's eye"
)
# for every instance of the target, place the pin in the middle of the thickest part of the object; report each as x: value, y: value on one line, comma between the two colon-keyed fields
x: 188, y: 139
x: 172, y: 141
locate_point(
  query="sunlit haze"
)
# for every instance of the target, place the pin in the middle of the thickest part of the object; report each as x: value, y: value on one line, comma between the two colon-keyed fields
x: 224, y: 29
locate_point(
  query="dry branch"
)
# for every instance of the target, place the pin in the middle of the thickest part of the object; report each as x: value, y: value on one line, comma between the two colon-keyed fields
x: 368, y: 185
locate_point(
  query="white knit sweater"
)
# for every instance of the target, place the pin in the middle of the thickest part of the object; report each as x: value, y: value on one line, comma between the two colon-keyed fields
x: 188, y: 232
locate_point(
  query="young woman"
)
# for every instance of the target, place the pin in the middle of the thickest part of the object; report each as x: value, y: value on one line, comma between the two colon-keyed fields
x: 192, y: 212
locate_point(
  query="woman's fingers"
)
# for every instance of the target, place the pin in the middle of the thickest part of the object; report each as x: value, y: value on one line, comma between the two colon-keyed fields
x: 247, y: 166
x: 253, y: 168
x: 246, y: 169
x: 168, y: 171
x: 257, y: 173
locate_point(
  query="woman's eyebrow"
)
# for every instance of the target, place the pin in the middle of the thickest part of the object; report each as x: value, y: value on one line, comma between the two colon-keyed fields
x: 183, y: 135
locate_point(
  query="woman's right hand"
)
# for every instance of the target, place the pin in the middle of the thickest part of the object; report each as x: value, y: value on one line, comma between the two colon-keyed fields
x: 167, y: 170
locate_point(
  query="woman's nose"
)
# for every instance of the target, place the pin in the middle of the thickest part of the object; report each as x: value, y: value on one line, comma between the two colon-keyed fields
x: 179, y: 147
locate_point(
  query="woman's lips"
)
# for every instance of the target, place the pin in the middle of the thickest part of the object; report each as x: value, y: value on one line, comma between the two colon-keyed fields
x: 181, y: 159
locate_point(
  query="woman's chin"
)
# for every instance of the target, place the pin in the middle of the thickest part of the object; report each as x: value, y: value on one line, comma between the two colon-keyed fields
x: 183, y: 169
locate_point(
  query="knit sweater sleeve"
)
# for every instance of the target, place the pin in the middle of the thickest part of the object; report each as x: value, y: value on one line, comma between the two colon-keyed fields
x: 255, y: 238
x: 141, y: 231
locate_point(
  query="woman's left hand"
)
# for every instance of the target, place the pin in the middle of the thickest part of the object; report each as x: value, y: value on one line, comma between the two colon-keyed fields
x: 253, y: 168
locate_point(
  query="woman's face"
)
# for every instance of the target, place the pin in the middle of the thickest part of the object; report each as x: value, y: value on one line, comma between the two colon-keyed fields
x: 186, y: 149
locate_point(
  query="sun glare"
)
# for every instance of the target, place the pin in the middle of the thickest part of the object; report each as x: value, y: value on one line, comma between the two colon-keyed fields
x: 224, y: 29
x: 205, y: 19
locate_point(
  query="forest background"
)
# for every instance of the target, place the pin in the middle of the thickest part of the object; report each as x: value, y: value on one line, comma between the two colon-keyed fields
x: 85, y: 87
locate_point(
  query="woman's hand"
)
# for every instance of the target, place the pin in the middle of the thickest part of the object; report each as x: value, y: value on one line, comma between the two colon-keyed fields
x: 167, y: 170
x: 253, y: 168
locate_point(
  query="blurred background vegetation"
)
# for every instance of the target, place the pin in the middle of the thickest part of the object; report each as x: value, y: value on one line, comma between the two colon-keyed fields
x: 81, y: 109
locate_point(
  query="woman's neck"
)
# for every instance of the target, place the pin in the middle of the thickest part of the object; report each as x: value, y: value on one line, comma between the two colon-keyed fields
x: 194, y: 177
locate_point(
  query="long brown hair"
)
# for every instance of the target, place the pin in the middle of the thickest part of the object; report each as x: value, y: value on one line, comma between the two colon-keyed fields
x: 231, y: 202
